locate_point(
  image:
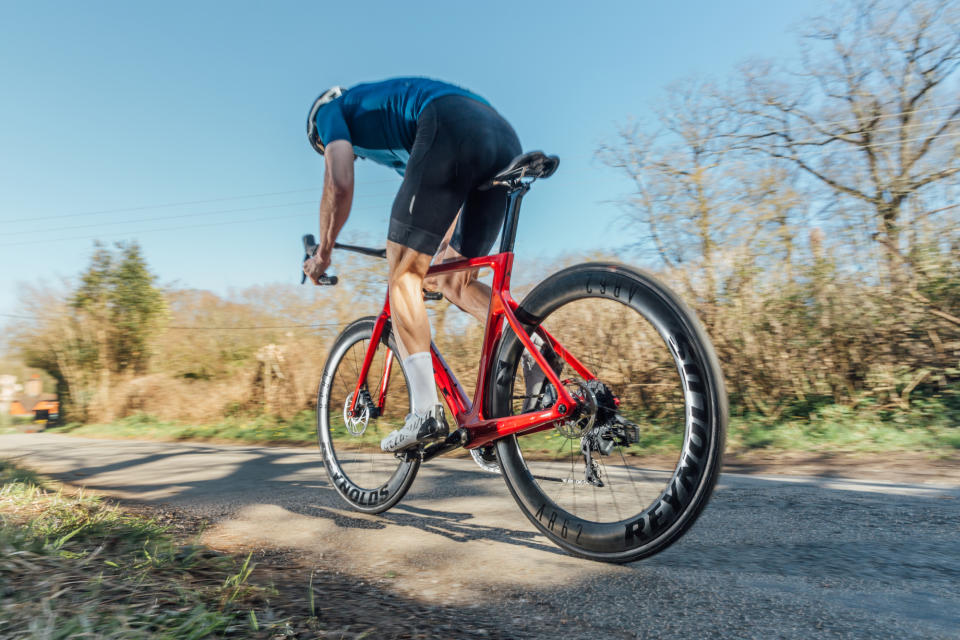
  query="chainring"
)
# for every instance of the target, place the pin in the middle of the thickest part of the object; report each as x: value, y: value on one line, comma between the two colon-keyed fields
x: 486, y: 462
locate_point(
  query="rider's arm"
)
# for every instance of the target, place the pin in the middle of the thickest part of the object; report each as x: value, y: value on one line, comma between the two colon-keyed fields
x: 337, y: 193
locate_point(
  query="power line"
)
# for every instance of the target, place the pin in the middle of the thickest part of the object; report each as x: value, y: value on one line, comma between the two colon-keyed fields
x: 155, y: 206
x: 843, y: 136
x: 821, y: 143
x: 176, y: 204
x: 321, y: 325
x: 290, y: 326
x: 145, y: 231
x: 177, y: 228
x: 897, y: 128
x: 184, y: 215
x: 187, y: 215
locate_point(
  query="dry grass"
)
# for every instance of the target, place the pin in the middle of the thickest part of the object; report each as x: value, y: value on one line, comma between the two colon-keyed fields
x: 75, y: 567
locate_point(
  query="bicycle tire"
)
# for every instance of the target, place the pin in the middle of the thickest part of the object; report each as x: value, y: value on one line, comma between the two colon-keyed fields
x: 703, y: 414
x: 343, y: 450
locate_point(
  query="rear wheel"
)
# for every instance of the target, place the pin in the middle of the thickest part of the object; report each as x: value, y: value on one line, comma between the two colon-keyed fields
x: 368, y: 479
x: 628, y: 474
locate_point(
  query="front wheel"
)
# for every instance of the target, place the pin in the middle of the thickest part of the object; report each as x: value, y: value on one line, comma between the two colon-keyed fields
x: 629, y: 474
x: 368, y: 479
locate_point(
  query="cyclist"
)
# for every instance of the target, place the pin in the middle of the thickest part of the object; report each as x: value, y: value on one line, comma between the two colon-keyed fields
x: 445, y: 141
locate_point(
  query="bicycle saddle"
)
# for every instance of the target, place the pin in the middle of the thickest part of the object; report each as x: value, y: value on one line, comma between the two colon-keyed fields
x: 533, y: 164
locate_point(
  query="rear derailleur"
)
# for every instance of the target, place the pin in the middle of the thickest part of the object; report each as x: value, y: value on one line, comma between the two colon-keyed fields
x: 602, y: 439
x: 598, y: 425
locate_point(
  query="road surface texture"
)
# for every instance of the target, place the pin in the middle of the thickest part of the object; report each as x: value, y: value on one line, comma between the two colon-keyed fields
x: 771, y: 557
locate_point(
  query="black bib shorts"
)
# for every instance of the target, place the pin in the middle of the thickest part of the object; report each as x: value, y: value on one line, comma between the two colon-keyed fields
x: 460, y: 144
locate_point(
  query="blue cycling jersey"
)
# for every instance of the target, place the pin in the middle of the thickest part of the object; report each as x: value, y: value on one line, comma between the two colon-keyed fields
x: 380, y: 118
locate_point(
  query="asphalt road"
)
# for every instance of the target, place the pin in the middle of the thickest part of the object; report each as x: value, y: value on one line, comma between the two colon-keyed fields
x: 772, y: 556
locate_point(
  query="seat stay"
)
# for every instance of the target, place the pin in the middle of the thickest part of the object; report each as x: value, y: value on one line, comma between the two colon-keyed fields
x: 567, y: 357
x: 485, y: 430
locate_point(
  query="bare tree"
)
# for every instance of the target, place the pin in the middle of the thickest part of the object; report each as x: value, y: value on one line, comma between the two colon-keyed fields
x: 868, y: 131
x: 696, y: 201
x: 876, y: 116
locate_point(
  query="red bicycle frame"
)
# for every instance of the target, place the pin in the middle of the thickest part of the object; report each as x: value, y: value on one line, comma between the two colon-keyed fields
x: 470, y: 415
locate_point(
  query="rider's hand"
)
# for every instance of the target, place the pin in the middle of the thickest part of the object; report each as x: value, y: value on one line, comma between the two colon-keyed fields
x: 316, y: 266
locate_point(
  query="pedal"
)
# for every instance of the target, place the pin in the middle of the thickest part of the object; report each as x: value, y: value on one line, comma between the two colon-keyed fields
x: 453, y: 441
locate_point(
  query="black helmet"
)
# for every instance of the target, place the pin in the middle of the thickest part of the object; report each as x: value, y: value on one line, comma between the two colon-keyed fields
x: 329, y: 95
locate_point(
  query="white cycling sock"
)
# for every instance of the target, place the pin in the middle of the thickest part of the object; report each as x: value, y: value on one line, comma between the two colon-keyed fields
x: 419, y: 368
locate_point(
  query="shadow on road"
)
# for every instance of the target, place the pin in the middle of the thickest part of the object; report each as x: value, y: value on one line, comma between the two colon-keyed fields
x: 768, y: 558
x: 270, y: 472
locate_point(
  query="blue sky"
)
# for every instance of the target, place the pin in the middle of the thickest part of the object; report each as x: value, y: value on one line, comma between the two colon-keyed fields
x: 125, y: 106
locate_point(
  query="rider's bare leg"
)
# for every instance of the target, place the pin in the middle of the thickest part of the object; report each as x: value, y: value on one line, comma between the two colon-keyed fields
x: 409, y: 313
x: 412, y: 328
x: 460, y: 287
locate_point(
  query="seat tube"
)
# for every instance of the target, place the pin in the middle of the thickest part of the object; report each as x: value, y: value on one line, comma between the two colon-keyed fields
x: 509, y: 237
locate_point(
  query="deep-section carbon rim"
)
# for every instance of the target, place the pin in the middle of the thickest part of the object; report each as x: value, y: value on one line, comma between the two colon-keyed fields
x: 648, y: 349
x: 368, y: 479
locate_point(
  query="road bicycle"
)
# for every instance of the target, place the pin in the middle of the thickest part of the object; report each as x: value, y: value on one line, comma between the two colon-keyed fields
x: 612, y: 455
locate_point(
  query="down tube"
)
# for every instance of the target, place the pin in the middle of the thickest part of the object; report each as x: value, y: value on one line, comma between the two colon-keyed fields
x: 449, y: 386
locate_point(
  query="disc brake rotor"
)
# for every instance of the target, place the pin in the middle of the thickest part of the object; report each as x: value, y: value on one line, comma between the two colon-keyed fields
x: 355, y: 425
x: 586, y: 415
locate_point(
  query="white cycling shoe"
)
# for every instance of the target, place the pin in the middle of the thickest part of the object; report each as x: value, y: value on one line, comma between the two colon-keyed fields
x: 419, y: 428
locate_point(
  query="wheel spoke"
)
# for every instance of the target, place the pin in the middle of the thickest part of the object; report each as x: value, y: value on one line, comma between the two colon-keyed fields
x: 361, y: 472
x: 631, y: 406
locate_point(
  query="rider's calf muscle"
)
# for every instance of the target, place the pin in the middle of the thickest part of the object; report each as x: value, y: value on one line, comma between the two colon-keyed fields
x: 410, y: 321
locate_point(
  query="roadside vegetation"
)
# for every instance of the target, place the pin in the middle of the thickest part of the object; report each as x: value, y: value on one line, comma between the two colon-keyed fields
x: 74, y: 566
x: 809, y: 213
x: 261, y: 429
x: 930, y: 425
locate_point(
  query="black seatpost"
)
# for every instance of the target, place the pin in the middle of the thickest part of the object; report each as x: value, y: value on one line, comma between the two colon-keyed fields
x: 515, y: 194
